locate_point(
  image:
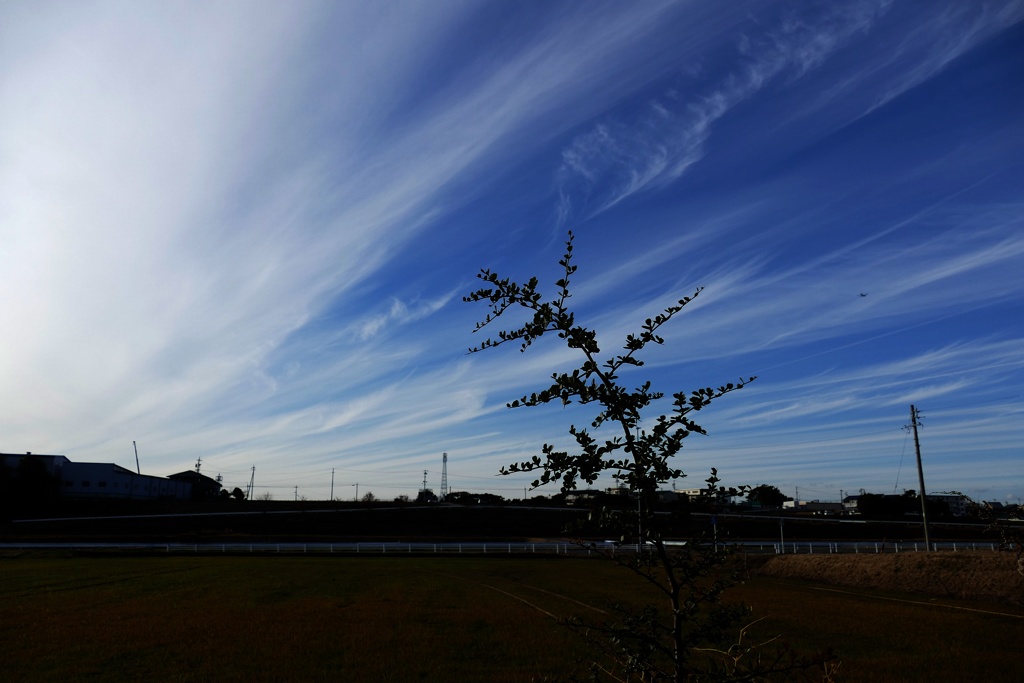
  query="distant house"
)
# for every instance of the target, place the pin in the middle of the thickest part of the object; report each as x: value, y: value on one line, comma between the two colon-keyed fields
x: 815, y: 506
x: 203, y: 487
x: 97, y: 480
x: 957, y: 503
x: 616, y: 496
x: 701, y: 495
x: 581, y: 497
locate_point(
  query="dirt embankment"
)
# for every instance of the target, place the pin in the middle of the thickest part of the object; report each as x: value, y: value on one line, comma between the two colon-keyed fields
x: 969, y: 575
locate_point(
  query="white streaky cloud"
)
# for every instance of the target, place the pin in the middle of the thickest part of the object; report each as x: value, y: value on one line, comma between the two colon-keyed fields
x: 909, y: 48
x: 950, y: 273
x: 670, y: 137
x: 940, y: 39
x: 241, y: 235
x: 400, y: 313
x: 154, y: 197
x: 965, y: 378
x: 99, y: 227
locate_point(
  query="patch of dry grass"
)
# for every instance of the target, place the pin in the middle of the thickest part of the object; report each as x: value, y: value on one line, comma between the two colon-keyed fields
x: 969, y: 575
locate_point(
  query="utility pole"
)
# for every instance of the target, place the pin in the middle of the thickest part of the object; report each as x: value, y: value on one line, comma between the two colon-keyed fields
x: 296, y: 493
x: 915, y: 418
x: 252, y: 481
x: 137, y: 468
x: 332, y: 483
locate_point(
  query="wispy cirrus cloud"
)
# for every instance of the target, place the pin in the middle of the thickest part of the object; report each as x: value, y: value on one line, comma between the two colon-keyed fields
x: 935, y: 375
x: 936, y: 41
x: 621, y: 156
x: 616, y: 159
x: 170, y: 210
x: 401, y: 313
x: 237, y: 235
x: 848, y: 422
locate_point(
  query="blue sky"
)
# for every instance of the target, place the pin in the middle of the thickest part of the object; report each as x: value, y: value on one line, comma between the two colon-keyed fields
x: 241, y: 232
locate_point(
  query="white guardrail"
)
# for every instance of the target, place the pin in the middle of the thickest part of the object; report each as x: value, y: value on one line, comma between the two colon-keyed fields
x: 496, y: 547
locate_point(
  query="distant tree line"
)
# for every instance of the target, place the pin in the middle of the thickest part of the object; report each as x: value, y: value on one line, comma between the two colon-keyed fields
x: 882, y: 505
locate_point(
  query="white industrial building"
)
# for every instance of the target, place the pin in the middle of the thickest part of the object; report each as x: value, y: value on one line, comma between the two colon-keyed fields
x: 100, y: 480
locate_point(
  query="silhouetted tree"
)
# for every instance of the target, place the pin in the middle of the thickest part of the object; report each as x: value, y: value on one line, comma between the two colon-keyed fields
x: 1009, y: 530
x: 689, y: 641
x: 238, y: 494
x: 459, y: 498
x: 767, y: 496
x: 489, y: 499
x: 892, y: 505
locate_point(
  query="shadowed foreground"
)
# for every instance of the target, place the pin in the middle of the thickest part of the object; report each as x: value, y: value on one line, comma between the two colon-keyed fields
x: 111, y: 618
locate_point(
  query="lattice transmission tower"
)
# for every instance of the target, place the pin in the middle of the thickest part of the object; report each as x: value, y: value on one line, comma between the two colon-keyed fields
x: 444, y: 477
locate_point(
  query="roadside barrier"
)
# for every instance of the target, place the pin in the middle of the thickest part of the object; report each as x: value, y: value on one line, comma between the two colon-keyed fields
x: 497, y: 547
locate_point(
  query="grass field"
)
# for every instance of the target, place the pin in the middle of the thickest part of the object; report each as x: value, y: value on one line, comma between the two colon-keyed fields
x: 386, y: 619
